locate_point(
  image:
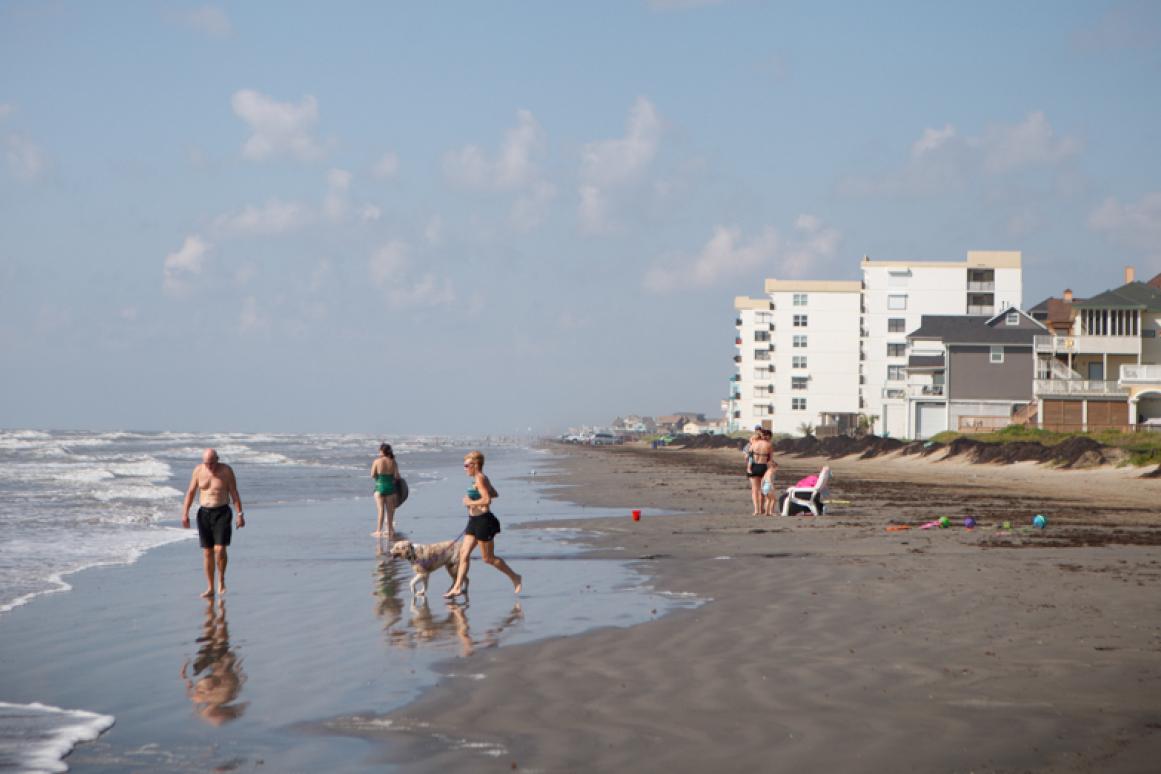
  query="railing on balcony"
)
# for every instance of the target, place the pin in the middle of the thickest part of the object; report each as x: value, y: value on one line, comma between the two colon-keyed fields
x: 925, y: 390
x: 977, y: 309
x: 981, y: 287
x: 1089, y: 345
x: 1140, y: 374
x: 1057, y: 387
x: 894, y: 392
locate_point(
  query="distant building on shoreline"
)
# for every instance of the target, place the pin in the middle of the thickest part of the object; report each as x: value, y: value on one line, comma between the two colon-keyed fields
x: 834, y: 353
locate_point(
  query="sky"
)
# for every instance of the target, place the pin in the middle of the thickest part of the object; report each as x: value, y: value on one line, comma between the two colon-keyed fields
x: 517, y: 217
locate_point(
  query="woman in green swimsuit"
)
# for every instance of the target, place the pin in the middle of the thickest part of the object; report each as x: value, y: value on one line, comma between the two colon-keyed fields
x: 385, y: 470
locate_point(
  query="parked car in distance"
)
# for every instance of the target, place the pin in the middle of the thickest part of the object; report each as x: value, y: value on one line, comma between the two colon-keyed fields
x: 606, y: 439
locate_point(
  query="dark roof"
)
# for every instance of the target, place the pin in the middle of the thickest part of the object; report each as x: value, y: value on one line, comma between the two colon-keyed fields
x: 925, y: 361
x: 1135, y: 295
x: 1155, y: 282
x: 969, y: 329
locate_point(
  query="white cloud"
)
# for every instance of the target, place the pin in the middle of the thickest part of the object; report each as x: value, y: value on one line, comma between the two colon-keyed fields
x: 335, y: 203
x: 1031, y: 142
x: 593, y: 210
x: 943, y: 160
x: 724, y: 255
x: 514, y: 167
x: 185, y: 264
x: 369, y: 213
x: 24, y: 158
x: 678, y: 5
x: 614, y: 162
x: 931, y: 140
x: 530, y: 210
x: 727, y: 255
x: 1134, y: 224
x: 386, y: 166
x: 208, y: 20
x: 277, y: 127
x: 390, y: 268
x: 274, y: 217
x: 250, y: 319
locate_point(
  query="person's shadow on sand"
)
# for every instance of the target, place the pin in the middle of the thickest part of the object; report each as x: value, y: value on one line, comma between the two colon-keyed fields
x: 216, y: 678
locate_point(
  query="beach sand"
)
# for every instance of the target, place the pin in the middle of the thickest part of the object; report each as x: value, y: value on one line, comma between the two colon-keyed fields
x: 831, y: 644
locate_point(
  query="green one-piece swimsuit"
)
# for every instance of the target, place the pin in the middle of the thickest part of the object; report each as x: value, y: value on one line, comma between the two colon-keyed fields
x: 384, y: 484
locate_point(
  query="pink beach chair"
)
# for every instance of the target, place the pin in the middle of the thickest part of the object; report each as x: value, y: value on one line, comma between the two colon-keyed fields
x: 809, y: 497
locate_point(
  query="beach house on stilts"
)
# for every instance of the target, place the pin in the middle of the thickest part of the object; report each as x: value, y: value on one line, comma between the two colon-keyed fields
x: 1100, y: 367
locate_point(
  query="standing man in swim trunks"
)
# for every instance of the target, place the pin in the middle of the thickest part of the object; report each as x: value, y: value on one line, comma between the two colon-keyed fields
x: 216, y: 486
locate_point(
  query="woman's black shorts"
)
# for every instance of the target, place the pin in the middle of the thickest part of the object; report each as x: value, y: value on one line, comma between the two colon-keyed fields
x: 757, y: 470
x: 214, y: 527
x: 483, y: 527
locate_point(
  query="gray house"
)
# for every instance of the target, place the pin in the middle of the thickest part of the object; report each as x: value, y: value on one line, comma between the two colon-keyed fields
x: 968, y: 373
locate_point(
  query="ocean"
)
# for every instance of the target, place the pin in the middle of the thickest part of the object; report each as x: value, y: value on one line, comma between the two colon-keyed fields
x: 70, y: 501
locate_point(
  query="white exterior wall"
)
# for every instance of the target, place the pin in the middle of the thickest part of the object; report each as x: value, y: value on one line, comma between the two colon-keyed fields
x: 930, y: 288
x: 752, y: 405
x: 832, y: 353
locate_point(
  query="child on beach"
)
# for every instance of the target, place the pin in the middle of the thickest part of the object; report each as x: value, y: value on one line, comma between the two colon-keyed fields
x: 769, y: 497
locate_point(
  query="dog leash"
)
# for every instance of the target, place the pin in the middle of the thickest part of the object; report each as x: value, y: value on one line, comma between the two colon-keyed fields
x: 436, y: 561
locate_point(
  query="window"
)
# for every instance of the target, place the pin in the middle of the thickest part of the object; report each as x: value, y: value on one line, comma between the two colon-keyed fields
x: 800, y: 341
x: 896, y: 302
x: 799, y: 361
x: 761, y: 373
x: 995, y: 354
x: 799, y: 321
x: 763, y: 318
x: 798, y: 382
x: 1013, y: 318
x: 798, y: 404
x: 896, y: 350
x: 761, y: 354
x: 761, y: 335
x: 762, y: 391
x: 896, y: 325
x: 898, y: 279
x: 800, y: 299
x: 895, y: 373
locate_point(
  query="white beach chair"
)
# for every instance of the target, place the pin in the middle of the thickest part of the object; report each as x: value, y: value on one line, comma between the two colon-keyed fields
x: 807, y: 496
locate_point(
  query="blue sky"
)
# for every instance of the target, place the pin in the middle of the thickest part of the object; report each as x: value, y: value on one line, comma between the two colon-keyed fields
x: 489, y: 217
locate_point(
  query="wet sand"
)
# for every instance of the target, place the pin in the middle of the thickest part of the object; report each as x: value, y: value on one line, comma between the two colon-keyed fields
x: 832, y: 644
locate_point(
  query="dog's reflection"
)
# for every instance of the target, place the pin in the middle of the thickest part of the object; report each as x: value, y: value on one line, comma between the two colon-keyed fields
x: 388, y: 605
x: 216, y: 678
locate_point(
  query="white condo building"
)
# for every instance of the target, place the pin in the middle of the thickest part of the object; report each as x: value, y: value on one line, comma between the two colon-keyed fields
x: 797, y: 356
x: 896, y: 295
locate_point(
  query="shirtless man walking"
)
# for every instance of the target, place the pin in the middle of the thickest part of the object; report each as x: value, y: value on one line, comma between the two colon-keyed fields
x: 216, y: 485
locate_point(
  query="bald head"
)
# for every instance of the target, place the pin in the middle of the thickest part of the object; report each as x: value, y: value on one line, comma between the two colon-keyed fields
x: 210, y: 457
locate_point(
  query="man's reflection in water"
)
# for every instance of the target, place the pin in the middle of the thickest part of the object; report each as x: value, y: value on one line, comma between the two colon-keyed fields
x: 216, y: 678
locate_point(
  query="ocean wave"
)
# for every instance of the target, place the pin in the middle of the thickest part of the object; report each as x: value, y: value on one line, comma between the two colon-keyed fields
x: 37, y: 737
x: 136, y: 492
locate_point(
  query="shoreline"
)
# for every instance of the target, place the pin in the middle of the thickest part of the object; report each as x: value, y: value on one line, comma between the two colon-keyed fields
x: 829, y: 643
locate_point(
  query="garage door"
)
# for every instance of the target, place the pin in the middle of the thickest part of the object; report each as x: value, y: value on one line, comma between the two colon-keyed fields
x: 930, y: 418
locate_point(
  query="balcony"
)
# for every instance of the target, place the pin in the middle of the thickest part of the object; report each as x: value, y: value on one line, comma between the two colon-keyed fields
x: 981, y: 287
x: 986, y: 310
x: 1088, y: 345
x: 926, y: 390
x: 1140, y: 374
x: 737, y: 321
x: 892, y: 393
x: 737, y: 358
x: 1056, y: 388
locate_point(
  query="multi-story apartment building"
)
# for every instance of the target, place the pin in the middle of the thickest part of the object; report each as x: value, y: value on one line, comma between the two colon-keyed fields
x: 896, y: 295
x: 816, y: 350
x: 1104, y: 370
x: 751, y: 388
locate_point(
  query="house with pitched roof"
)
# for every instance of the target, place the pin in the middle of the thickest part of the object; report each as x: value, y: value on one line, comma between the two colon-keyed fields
x: 968, y: 373
x: 1103, y: 370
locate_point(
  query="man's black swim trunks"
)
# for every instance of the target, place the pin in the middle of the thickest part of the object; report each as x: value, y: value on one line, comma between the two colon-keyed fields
x: 215, y: 526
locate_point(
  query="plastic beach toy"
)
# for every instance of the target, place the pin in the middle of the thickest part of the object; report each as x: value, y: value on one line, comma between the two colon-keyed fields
x: 944, y: 522
x: 1006, y: 525
x: 1039, y: 521
x: 969, y: 522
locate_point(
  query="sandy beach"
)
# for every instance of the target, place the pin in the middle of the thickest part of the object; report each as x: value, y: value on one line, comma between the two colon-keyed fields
x: 832, y: 644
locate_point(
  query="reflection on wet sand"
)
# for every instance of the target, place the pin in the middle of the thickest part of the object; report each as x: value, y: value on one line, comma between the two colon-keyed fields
x: 216, y: 678
x: 424, y: 628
